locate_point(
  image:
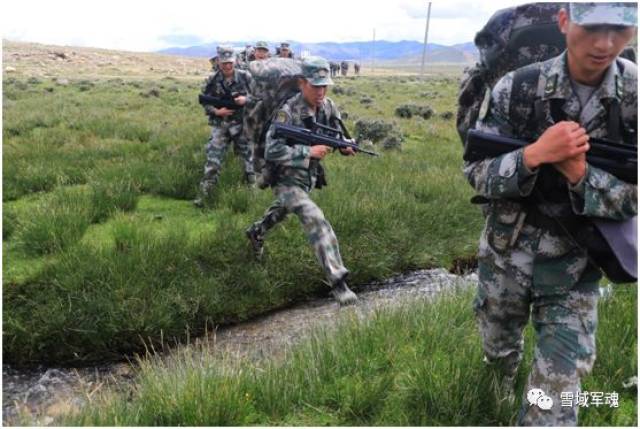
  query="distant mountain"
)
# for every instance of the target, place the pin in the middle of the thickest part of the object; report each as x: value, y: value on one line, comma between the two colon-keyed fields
x: 359, y: 51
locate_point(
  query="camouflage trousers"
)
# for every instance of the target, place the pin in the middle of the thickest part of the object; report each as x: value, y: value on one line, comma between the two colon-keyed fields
x: 292, y: 199
x: 543, y: 277
x: 216, y: 149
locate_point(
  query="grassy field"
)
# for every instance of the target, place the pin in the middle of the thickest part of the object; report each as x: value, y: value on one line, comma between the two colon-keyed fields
x: 103, y: 249
x: 104, y: 255
x: 418, y: 365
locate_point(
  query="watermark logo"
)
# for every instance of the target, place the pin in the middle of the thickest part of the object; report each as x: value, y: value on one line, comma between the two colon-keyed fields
x: 538, y: 398
x: 583, y: 399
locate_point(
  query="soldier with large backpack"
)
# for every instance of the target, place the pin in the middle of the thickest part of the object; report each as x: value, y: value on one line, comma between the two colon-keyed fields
x: 296, y: 170
x: 538, y: 199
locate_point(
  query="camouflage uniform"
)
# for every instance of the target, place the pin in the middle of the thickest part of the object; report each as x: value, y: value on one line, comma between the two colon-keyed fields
x: 295, y: 173
x: 296, y: 176
x: 334, y: 68
x: 528, y: 266
x: 226, y: 130
x: 344, y: 68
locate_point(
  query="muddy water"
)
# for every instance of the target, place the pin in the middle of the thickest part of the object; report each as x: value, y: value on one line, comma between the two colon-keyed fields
x: 44, y: 393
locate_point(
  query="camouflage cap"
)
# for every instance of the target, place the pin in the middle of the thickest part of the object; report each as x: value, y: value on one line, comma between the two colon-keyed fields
x: 316, y: 71
x: 262, y: 45
x: 625, y: 14
x: 227, y: 55
x: 284, y: 45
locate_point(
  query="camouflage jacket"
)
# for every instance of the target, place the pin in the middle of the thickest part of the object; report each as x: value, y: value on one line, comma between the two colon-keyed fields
x: 215, y: 85
x: 294, y: 166
x: 509, y: 111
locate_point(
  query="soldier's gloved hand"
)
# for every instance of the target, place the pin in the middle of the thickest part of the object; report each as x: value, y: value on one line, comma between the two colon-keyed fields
x: 319, y: 152
x: 559, y: 142
x: 240, y: 100
x: 223, y: 112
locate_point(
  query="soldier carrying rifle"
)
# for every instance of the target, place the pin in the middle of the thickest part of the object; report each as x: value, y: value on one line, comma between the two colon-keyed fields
x: 537, y: 198
x: 297, y: 170
x: 226, y: 123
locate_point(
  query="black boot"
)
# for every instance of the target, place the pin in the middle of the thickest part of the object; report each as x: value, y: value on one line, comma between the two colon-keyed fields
x: 257, y: 242
x: 343, y: 294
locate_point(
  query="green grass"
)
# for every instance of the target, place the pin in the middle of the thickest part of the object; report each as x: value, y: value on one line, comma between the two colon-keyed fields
x: 104, y: 256
x: 89, y: 271
x: 419, y: 364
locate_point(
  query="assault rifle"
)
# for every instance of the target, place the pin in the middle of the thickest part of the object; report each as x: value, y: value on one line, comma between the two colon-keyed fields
x: 611, y: 245
x: 315, y: 136
x: 219, y: 102
x: 619, y: 159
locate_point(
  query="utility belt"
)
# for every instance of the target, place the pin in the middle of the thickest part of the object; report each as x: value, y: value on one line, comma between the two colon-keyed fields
x: 614, y: 253
x: 272, y: 173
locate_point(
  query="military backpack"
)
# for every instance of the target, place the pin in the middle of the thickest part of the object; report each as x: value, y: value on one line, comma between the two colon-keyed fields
x: 275, y: 81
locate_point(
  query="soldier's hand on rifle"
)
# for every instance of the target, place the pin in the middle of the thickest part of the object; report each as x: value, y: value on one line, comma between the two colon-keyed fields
x: 574, y: 168
x: 222, y: 112
x: 348, y: 151
x: 240, y: 100
x: 319, y: 151
x: 558, y: 143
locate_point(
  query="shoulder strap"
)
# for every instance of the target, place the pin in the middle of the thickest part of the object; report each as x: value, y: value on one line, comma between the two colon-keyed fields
x: 529, y: 75
x: 615, y: 125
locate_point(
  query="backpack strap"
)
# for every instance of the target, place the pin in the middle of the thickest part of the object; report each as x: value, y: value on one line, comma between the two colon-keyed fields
x: 615, y: 124
x: 524, y: 90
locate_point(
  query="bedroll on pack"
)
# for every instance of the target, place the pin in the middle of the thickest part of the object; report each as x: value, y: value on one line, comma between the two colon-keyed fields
x: 275, y: 81
x: 512, y: 38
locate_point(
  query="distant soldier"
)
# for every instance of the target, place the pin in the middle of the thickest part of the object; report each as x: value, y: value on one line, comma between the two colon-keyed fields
x: 261, y: 51
x: 246, y: 57
x: 214, y: 60
x: 344, y: 67
x: 297, y: 171
x: 334, y: 68
x: 538, y: 199
x: 356, y: 68
x: 214, y: 63
x: 226, y: 123
x: 284, y: 50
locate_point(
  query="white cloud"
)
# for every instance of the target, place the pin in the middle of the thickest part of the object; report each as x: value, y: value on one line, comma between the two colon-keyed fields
x: 146, y: 25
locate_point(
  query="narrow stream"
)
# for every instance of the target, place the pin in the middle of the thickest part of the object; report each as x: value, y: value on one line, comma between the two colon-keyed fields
x: 44, y: 393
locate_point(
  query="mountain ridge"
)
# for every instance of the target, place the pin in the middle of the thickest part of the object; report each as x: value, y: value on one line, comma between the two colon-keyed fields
x: 356, y: 51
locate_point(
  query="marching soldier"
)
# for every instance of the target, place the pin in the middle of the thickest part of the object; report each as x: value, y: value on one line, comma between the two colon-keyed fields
x: 226, y: 123
x: 297, y: 171
x: 530, y: 266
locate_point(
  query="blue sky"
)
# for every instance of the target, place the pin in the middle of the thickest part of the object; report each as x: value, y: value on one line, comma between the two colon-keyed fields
x: 148, y: 26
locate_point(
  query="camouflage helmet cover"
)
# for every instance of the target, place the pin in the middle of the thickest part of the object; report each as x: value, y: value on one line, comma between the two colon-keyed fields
x: 625, y: 14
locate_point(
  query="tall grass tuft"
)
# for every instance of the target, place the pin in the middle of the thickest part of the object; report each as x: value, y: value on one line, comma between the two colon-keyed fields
x: 110, y: 196
x: 56, y: 222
